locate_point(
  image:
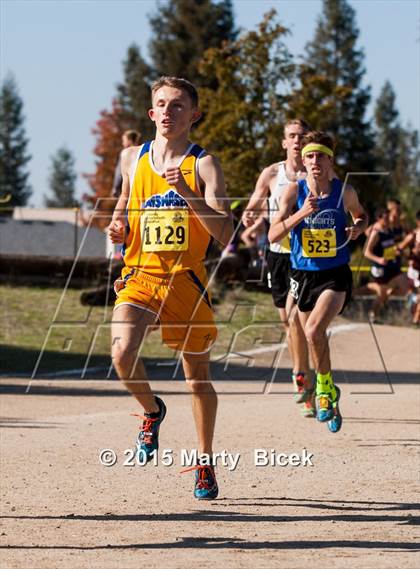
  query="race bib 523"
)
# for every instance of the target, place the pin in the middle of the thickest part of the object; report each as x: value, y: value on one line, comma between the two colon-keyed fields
x: 319, y: 243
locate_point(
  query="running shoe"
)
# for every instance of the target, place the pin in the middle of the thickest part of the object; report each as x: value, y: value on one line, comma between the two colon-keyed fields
x: 148, y: 438
x: 308, y: 408
x: 301, y: 394
x: 205, y: 482
x: 334, y: 425
x: 324, y: 410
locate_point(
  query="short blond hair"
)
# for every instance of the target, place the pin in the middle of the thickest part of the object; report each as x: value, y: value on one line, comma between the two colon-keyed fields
x: 177, y: 83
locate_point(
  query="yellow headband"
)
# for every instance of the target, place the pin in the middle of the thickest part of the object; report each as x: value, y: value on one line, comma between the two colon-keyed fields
x: 317, y: 148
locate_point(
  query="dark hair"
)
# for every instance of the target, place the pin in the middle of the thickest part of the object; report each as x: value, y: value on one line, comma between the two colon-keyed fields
x: 177, y: 83
x: 418, y: 215
x: 394, y: 201
x: 133, y: 136
x: 318, y: 137
x: 380, y: 212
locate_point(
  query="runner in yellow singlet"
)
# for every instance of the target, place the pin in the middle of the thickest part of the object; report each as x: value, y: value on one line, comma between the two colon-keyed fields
x: 172, y: 205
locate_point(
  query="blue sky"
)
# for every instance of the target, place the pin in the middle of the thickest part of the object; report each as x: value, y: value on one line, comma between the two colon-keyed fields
x: 66, y: 58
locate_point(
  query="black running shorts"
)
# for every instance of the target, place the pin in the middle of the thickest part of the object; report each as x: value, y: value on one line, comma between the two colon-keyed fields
x: 306, y: 286
x: 278, y: 276
x: 382, y: 275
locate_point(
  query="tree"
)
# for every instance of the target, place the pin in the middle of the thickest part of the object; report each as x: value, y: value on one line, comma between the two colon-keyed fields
x: 62, y: 180
x: 128, y: 111
x: 183, y: 30
x: 243, y: 117
x: 388, y: 134
x: 406, y: 176
x: 315, y: 98
x: 134, y: 93
x: 335, y: 66
x: 13, y: 146
x: 108, y: 131
x: 187, y: 25
x: 396, y: 150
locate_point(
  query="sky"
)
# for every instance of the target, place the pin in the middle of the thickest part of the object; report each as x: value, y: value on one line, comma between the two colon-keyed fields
x: 66, y: 57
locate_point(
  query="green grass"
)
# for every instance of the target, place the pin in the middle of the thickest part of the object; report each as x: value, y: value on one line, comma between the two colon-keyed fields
x: 33, y: 317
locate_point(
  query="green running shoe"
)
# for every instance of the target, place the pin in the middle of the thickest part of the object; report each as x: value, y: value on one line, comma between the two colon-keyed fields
x: 334, y: 424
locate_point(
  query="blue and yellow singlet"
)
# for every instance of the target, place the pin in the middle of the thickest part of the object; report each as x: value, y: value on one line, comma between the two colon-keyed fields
x: 163, y: 234
x: 319, y: 242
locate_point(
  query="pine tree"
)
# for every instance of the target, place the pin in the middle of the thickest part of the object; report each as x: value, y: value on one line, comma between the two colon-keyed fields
x: 388, y: 135
x: 335, y: 65
x: 406, y: 176
x: 396, y: 150
x: 13, y: 146
x: 244, y: 116
x: 183, y: 30
x: 62, y: 180
x: 134, y: 93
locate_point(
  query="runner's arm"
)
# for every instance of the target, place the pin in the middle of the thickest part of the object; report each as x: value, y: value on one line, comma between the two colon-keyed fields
x: 284, y: 220
x: 258, y: 198
x: 372, y: 241
x: 357, y: 212
x: 406, y: 242
x: 213, y: 209
x: 116, y: 228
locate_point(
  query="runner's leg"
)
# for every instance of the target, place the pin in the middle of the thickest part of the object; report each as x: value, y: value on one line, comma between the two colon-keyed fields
x: 381, y: 296
x: 284, y: 319
x: 328, y: 305
x: 130, y: 325
x: 298, y: 345
x: 397, y: 285
x: 204, y: 405
x: 204, y: 398
x: 302, y: 377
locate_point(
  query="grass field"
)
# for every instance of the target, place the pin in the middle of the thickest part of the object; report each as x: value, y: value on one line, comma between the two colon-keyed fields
x: 29, y: 314
x: 73, y: 336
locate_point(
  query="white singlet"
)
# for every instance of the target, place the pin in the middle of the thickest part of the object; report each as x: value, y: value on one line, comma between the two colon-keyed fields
x: 273, y: 204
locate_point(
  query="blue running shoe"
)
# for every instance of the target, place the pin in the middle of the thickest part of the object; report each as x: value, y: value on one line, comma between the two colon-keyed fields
x: 324, y: 410
x: 334, y: 425
x: 148, y: 438
x: 205, y: 482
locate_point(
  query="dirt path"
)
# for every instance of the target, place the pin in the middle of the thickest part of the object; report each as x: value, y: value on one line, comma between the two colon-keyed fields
x: 357, y: 506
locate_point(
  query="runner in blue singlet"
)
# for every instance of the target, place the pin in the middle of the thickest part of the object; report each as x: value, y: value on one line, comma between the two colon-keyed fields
x: 315, y: 210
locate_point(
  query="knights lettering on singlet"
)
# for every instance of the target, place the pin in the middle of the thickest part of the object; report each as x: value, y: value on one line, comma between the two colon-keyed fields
x: 319, y: 242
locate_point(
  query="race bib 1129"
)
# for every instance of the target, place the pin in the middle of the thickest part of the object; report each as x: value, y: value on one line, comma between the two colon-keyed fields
x: 165, y: 230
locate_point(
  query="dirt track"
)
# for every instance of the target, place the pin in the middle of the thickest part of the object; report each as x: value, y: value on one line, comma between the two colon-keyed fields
x: 356, y: 507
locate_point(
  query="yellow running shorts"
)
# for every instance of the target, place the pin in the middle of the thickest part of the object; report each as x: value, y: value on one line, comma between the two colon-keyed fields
x: 180, y: 302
